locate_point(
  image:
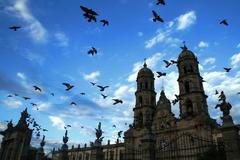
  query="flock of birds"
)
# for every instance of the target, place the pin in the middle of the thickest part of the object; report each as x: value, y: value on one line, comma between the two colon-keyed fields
x: 91, y: 16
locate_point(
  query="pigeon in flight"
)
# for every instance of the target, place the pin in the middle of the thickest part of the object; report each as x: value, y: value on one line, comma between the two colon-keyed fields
x: 45, y: 130
x: 33, y: 104
x: 156, y: 17
x: 167, y: 63
x: 238, y: 93
x: 105, y: 22
x: 102, y: 88
x: 160, y: 2
x: 73, y: 103
x: 69, y: 86
x: 174, y: 62
x: 125, y: 124
x: 114, y: 126
x: 120, y: 134
x: 160, y: 74
x: 93, y: 83
x: 82, y: 93
x: 174, y: 101
x: 92, y: 51
x: 216, y: 92
x: 227, y: 69
x: 89, y: 13
x: 224, y: 22
x: 9, y: 95
x: 15, y: 94
x: 26, y: 98
x: 184, y: 47
x: 36, y: 88
x: 117, y: 101
x: 15, y: 28
x: 104, y: 96
x: 52, y: 94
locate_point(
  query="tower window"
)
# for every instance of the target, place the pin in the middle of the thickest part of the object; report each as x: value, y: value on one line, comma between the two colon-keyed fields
x: 189, y: 107
x: 187, y: 88
x: 141, y: 86
x: 140, y: 100
x: 146, y: 85
x: 191, y: 68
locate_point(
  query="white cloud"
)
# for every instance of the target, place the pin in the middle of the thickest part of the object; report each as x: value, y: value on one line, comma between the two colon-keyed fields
x: 33, y: 57
x: 57, y: 122
x: 210, y: 60
x: 160, y: 37
x: 62, y: 39
x: 2, y: 126
x: 37, y: 31
x: 186, y: 20
x: 203, y: 44
x: 91, y: 76
x: 43, y: 106
x: 121, y: 91
x: 151, y: 62
x: 140, y: 34
x: 12, y: 103
x: 235, y: 60
x: 21, y: 75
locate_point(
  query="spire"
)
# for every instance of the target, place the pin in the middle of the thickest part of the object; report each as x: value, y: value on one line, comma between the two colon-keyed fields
x: 145, y: 64
x: 22, y: 123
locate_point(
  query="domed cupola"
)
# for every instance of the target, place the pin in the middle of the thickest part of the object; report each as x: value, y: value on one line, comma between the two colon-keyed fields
x: 145, y: 72
x: 186, y: 54
x: 164, y: 103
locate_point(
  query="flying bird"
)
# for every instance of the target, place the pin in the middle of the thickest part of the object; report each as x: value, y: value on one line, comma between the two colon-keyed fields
x: 120, y: 134
x: 82, y: 93
x: 184, y: 47
x: 26, y: 98
x: 15, y: 94
x: 9, y: 95
x: 89, y: 14
x: 69, y: 86
x: 224, y: 22
x: 174, y: 62
x: 161, y: 74
x: 105, y: 22
x: 92, y: 51
x: 15, y: 28
x: 104, y: 96
x: 125, y: 124
x: 90, y: 17
x: 33, y: 104
x: 93, y: 83
x: 160, y: 2
x: 52, y: 94
x: 73, y: 103
x: 156, y: 17
x: 102, y: 88
x: 36, y: 88
x: 238, y: 93
x: 45, y: 130
x: 67, y: 126
x: 167, y: 63
x: 117, y: 101
x: 114, y: 126
x: 216, y: 92
x: 227, y: 69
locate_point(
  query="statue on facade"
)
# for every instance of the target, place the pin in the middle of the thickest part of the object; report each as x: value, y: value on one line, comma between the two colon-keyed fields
x: 65, y: 138
x: 99, y: 134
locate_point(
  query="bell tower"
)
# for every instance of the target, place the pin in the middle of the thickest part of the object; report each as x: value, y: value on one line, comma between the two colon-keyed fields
x: 145, y: 98
x: 191, y: 93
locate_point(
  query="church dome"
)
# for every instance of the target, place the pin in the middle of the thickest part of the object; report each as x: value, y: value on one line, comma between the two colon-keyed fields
x: 145, y: 72
x: 186, y: 54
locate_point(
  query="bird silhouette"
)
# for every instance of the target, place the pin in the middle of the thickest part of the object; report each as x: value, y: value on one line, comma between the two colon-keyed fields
x: 105, y: 22
x: 125, y: 124
x: 82, y: 93
x: 238, y: 93
x: 15, y: 94
x: 15, y: 28
x: 93, y: 83
x: 69, y: 86
x: 160, y: 2
x: 33, y: 104
x: 161, y: 74
x: 184, y: 47
x: 167, y: 63
x: 174, y: 101
x: 36, y: 88
x: 216, y: 92
x: 116, y: 101
x: 45, y: 130
x: 73, y: 104
x: 104, y: 96
x: 102, y: 88
x: 120, y: 134
x: 156, y: 17
x: 26, y: 98
x: 114, y: 126
x: 92, y: 51
x: 224, y: 22
x: 52, y: 94
x: 227, y: 69
x: 174, y: 62
x: 89, y: 14
x: 9, y: 95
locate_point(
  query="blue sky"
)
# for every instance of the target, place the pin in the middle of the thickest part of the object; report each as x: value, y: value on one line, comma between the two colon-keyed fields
x: 51, y: 48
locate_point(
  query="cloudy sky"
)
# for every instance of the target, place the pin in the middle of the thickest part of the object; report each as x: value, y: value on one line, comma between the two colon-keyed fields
x: 51, y: 48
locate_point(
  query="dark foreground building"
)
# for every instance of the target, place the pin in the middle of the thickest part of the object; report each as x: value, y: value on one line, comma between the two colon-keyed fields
x: 156, y: 134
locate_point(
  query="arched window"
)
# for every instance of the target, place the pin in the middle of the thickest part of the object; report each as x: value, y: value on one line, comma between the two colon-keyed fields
x: 186, y: 86
x: 189, y: 107
x: 140, y: 100
x: 146, y: 85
